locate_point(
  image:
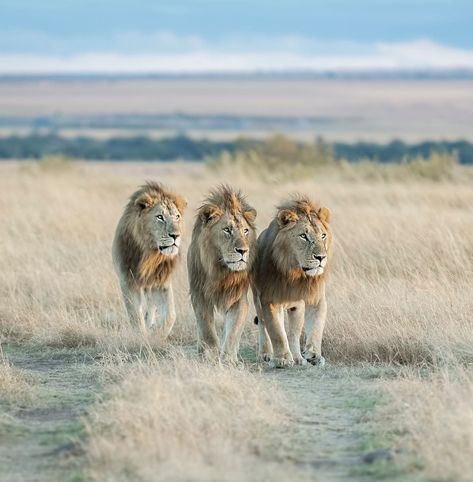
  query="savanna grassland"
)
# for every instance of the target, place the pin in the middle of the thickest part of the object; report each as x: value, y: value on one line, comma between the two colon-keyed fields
x: 85, y: 396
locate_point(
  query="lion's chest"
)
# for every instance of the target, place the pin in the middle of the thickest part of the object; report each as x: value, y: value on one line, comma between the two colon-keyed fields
x: 226, y: 291
x: 154, y: 270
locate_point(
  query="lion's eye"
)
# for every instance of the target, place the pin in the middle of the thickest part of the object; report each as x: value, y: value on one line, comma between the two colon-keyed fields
x: 246, y: 231
x: 324, y: 235
x: 227, y: 230
x: 160, y: 217
x: 178, y: 216
x: 304, y: 237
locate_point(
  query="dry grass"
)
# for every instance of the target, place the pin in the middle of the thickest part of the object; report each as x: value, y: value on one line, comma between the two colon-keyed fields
x: 400, y: 289
x: 179, y: 419
x: 436, y: 167
x: 15, y: 386
x: 437, y: 415
x: 399, y: 292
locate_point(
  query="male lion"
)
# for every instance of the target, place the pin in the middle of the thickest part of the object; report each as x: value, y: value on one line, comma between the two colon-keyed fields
x: 145, y: 253
x: 289, y: 274
x: 219, y: 261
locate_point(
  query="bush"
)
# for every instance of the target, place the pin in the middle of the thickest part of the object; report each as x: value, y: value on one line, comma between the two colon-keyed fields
x: 276, y: 155
x: 54, y: 162
x: 436, y: 167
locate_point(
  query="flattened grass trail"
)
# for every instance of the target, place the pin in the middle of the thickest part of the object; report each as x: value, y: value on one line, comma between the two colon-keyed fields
x: 330, y: 437
x: 326, y: 439
x: 38, y: 442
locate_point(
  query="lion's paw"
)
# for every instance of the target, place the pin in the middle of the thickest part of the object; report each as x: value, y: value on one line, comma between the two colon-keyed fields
x: 264, y: 356
x: 283, y: 361
x: 314, y: 358
x: 229, y: 360
x: 301, y: 361
x: 209, y: 354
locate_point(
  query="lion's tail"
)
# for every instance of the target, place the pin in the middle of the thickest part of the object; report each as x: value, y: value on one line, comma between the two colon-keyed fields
x: 256, y: 320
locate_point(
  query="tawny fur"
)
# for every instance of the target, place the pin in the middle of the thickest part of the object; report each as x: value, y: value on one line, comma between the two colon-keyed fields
x: 145, y: 255
x: 208, y: 279
x: 289, y: 274
x: 274, y: 276
x: 213, y: 285
x: 141, y: 264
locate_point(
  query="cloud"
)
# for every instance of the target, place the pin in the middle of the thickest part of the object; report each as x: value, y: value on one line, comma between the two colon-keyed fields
x: 193, y: 55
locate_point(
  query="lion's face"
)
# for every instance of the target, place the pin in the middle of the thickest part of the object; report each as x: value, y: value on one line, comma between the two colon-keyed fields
x: 232, y: 237
x: 304, y: 240
x: 161, y: 225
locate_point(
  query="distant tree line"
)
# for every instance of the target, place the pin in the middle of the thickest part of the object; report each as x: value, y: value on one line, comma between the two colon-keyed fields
x: 37, y: 146
x: 396, y: 151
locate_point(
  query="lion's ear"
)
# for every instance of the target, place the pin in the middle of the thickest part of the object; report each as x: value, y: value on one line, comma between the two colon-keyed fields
x: 286, y: 217
x: 181, y: 203
x: 250, y: 215
x: 145, y: 201
x: 210, y: 213
x: 324, y: 214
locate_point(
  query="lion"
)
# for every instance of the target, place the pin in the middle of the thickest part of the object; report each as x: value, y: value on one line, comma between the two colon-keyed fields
x: 289, y: 275
x: 145, y: 254
x: 219, y: 261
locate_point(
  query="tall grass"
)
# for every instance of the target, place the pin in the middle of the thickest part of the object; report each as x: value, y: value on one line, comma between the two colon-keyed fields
x: 399, y: 289
x: 435, y: 415
x: 16, y: 388
x: 437, y: 167
x: 178, y: 419
x: 279, y: 158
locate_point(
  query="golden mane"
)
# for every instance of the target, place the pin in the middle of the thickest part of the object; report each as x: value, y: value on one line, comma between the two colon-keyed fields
x: 301, y: 205
x: 152, y: 193
x: 208, y: 278
x: 273, y: 275
x: 142, y: 265
x: 225, y: 199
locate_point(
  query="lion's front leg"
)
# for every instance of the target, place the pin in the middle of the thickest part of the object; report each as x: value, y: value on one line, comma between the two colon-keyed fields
x: 161, y: 310
x: 265, y: 348
x: 274, y: 323
x: 315, y: 316
x: 295, y: 324
x: 207, y: 339
x: 134, y: 300
x: 234, y: 321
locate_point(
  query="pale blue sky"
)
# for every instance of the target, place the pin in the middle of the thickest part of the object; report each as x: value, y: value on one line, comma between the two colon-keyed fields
x: 65, y: 28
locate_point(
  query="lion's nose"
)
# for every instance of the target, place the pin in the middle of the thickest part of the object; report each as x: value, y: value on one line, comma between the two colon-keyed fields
x: 174, y: 235
x: 242, y: 251
x: 319, y: 257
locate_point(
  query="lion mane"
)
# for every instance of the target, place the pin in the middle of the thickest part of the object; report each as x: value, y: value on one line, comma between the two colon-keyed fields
x: 207, y: 277
x: 275, y: 278
x: 142, y: 265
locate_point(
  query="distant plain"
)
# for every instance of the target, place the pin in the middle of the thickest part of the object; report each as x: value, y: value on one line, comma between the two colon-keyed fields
x: 338, y: 110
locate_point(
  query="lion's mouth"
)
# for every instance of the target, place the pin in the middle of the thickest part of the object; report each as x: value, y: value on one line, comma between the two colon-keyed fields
x: 313, y: 271
x: 170, y: 249
x: 237, y: 265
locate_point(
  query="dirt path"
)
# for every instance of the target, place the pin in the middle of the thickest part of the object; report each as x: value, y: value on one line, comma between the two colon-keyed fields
x: 325, y: 439
x: 328, y: 438
x: 36, y: 444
